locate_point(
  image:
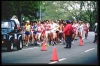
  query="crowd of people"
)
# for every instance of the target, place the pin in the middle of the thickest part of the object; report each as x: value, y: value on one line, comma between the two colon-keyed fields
x: 53, y: 32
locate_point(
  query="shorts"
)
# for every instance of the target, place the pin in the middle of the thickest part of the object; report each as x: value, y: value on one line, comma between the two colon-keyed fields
x: 43, y: 31
x: 34, y: 32
x: 60, y: 31
x: 27, y: 33
x: 39, y: 35
x: 47, y: 32
x: 86, y: 30
x: 57, y: 31
x: 53, y: 31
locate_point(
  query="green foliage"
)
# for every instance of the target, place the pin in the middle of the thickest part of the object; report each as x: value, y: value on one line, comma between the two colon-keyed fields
x: 10, y: 8
x: 54, y: 10
x: 26, y: 18
x: 86, y: 11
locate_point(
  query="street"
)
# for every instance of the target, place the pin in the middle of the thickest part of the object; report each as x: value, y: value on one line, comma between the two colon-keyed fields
x: 86, y: 54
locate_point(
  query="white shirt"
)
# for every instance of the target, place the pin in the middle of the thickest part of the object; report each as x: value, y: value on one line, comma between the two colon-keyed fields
x: 53, y: 26
x: 80, y: 28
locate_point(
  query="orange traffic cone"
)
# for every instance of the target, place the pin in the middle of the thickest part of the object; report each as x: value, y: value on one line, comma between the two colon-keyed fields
x: 54, y: 55
x: 43, y: 47
x: 81, y: 42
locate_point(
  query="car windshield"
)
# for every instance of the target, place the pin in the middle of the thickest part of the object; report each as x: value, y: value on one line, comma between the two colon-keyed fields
x: 6, y: 25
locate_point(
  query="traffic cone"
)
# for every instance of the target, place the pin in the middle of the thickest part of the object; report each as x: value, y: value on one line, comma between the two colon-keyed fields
x: 43, y: 47
x: 54, y: 55
x: 81, y: 42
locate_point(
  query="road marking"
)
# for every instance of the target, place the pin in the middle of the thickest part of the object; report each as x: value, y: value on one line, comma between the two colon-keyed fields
x: 89, y: 50
x: 29, y: 48
x: 83, y: 38
x: 57, y: 61
x: 53, y: 62
x: 62, y: 59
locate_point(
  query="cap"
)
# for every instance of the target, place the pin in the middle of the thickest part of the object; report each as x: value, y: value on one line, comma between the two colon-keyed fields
x: 67, y: 21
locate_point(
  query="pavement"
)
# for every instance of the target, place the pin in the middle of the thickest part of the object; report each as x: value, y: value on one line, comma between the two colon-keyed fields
x: 86, y: 54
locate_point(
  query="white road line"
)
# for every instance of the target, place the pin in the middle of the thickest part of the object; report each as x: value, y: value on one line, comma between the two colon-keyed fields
x: 62, y: 59
x: 89, y: 50
x: 29, y: 48
x: 83, y: 38
x: 53, y: 62
x: 57, y: 61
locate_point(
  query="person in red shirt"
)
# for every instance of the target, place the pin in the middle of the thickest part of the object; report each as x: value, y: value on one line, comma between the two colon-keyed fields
x: 85, y: 30
x: 67, y: 33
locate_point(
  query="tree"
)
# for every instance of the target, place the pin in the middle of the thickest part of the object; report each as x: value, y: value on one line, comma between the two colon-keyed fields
x: 27, y: 8
x: 80, y: 10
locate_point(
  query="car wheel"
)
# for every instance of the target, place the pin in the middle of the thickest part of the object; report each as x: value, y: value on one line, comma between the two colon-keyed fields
x: 20, y: 45
x: 11, y: 46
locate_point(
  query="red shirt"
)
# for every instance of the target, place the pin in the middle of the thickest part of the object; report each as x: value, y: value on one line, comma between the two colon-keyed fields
x: 47, y: 27
x: 67, y: 28
x: 85, y: 28
x: 43, y: 27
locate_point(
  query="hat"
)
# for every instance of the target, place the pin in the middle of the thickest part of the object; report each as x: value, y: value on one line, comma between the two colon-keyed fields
x: 67, y: 21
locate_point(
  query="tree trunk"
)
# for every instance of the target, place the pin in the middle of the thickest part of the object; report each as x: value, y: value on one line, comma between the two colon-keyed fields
x: 19, y: 17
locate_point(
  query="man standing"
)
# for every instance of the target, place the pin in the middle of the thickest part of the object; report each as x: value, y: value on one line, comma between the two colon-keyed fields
x: 67, y: 33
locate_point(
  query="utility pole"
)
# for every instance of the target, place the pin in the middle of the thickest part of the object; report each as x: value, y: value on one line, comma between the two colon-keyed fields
x: 40, y: 10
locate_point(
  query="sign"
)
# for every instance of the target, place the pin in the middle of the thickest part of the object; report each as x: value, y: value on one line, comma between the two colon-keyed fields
x: 38, y: 14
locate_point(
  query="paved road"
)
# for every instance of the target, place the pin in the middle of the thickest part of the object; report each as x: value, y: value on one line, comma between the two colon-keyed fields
x: 86, y: 54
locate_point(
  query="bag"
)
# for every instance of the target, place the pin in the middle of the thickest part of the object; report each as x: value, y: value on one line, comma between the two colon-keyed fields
x: 71, y: 31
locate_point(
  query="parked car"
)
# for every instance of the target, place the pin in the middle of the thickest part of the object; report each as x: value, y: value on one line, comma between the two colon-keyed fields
x: 11, y: 37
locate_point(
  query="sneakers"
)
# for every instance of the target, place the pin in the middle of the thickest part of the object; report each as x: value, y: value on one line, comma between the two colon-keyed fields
x: 52, y: 43
x: 59, y: 41
x: 32, y: 43
x: 64, y: 42
x: 26, y: 45
x: 55, y: 43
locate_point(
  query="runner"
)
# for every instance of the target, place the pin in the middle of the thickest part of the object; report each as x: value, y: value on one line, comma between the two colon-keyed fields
x: 39, y: 32
x: 34, y: 36
x: 53, y: 31
x: 80, y: 30
x: 86, y: 30
x: 23, y: 32
x: 57, y: 31
x: 74, y: 28
x: 43, y: 36
x: 60, y: 30
x: 64, y: 38
x: 27, y: 32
